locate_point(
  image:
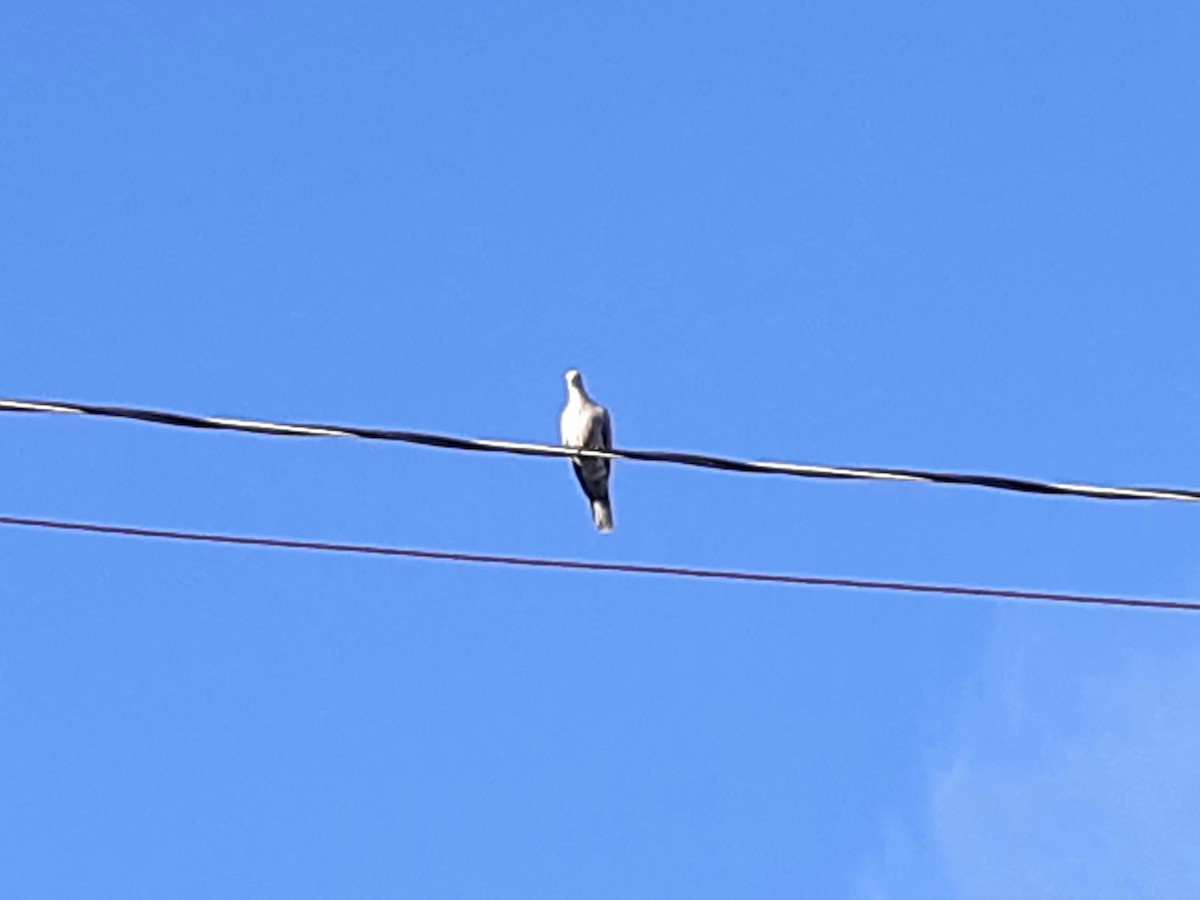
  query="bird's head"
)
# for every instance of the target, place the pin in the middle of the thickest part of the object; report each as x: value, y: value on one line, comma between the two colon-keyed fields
x: 574, y: 380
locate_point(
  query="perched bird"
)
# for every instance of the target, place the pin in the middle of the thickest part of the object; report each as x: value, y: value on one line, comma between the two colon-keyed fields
x: 585, y: 424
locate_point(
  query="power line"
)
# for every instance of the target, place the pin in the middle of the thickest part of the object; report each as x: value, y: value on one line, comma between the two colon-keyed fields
x: 587, y: 566
x: 520, y: 448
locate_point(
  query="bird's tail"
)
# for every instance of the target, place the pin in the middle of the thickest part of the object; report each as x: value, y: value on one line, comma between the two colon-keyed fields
x: 602, y: 514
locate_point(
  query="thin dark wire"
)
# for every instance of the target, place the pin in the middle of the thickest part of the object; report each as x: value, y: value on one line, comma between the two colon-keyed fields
x: 583, y: 565
x: 519, y: 448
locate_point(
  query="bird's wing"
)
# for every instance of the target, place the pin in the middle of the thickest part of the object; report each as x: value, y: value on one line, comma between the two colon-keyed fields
x: 602, y: 426
x: 597, y: 428
x: 593, y: 478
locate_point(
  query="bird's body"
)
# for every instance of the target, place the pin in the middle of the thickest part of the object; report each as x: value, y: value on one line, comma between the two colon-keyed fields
x: 585, y: 424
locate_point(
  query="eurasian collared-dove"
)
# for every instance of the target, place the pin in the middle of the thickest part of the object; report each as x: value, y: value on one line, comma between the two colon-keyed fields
x: 585, y: 424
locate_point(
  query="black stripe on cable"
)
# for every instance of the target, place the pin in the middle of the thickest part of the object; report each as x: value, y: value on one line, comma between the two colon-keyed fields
x: 623, y: 568
x: 520, y: 448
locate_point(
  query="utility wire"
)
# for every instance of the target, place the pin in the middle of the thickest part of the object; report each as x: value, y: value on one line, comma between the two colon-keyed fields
x: 519, y: 448
x: 584, y: 565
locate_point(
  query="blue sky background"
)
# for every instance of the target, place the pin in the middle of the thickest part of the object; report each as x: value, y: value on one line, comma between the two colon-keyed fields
x: 932, y: 235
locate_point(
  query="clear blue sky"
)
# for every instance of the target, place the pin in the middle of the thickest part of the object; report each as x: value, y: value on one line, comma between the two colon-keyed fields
x: 935, y: 234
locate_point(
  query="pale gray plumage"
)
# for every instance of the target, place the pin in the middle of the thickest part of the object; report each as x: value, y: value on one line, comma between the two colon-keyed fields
x: 585, y: 424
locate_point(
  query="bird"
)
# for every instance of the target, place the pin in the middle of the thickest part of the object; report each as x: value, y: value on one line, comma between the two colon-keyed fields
x: 585, y: 424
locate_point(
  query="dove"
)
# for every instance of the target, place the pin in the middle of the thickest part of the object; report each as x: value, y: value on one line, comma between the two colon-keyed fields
x: 585, y: 424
